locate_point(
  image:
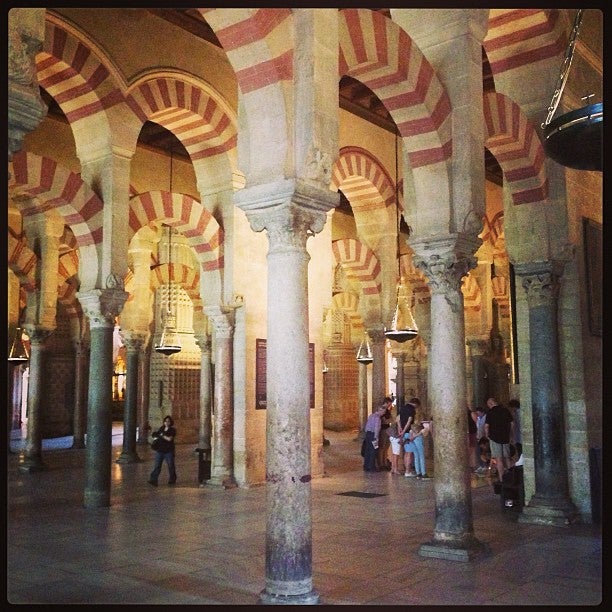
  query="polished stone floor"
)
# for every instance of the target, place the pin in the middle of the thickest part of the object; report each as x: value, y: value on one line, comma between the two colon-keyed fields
x: 190, y: 545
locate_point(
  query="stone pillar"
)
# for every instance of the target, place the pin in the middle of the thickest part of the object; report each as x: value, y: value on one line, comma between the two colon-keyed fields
x: 133, y: 342
x: 363, y: 399
x: 31, y: 458
x: 379, y: 366
x: 222, y: 463
x: 550, y: 504
x: 26, y: 32
x: 399, y: 381
x: 79, y: 426
x: 288, y: 475
x: 101, y: 306
x: 142, y: 412
x: 454, y: 531
x: 204, y: 434
x: 478, y: 348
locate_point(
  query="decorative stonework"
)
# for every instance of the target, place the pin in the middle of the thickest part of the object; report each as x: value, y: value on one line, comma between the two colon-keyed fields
x: 221, y: 323
x: 101, y: 306
x: 540, y: 281
x: 445, y: 273
x: 318, y: 165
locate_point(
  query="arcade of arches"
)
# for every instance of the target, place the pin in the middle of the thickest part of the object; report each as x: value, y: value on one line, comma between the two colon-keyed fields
x: 277, y: 179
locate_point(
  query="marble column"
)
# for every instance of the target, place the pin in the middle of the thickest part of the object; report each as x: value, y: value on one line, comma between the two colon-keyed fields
x: 288, y: 474
x: 79, y: 424
x: 478, y: 348
x: 142, y: 412
x: 399, y: 381
x: 363, y: 399
x: 101, y: 306
x: 133, y: 341
x: 205, y: 431
x: 379, y: 366
x: 31, y: 457
x: 222, y: 462
x: 550, y: 504
x: 453, y: 537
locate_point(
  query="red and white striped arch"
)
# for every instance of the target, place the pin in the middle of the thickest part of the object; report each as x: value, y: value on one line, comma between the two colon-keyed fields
x: 512, y: 139
x: 472, y: 297
x: 22, y: 261
x: 187, y: 110
x: 359, y: 263
x: 519, y: 37
x: 53, y: 187
x: 493, y: 229
x: 349, y: 303
x: 378, y: 53
x: 258, y: 43
x: 363, y: 180
x: 188, y: 216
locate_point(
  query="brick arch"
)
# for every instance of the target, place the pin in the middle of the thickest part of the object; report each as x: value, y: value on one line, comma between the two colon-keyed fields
x: 363, y: 180
x: 359, y: 264
x: 512, y: 139
x: 493, y: 229
x: 378, y: 53
x: 79, y: 81
x: 22, y: 261
x: 39, y: 184
x: 519, y: 37
x: 259, y: 44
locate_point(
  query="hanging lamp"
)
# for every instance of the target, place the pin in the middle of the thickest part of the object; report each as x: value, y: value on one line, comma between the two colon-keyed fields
x: 19, y: 351
x: 403, y: 326
x: 364, y: 354
x: 575, y: 138
x: 169, y: 342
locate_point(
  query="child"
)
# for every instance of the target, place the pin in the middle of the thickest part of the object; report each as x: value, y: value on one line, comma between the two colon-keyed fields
x: 396, y: 447
x: 416, y: 445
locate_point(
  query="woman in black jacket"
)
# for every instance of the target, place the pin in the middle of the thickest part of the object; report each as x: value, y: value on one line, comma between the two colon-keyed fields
x: 163, y: 444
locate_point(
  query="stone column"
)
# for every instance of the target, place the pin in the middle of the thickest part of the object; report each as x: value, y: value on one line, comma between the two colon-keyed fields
x: 550, y: 504
x: 478, y: 348
x: 454, y: 531
x: 399, y: 381
x: 222, y: 463
x: 81, y: 359
x: 204, y: 434
x: 363, y: 399
x: 26, y: 32
x: 133, y: 341
x: 288, y: 475
x: 379, y: 363
x: 101, y: 306
x: 142, y: 412
x: 31, y: 458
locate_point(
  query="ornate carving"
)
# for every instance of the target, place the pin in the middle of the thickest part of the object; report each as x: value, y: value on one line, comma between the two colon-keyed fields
x: 318, y: 165
x: 114, y: 281
x: 21, y: 58
x: 221, y: 323
x: 542, y: 289
x: 37, y: 334
x: 445, y: 273
x: 101, y: 306
x: 133, y: 340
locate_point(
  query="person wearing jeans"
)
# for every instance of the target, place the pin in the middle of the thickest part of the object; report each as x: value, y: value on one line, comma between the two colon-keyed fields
x: 417, y: 446
x: 164, y: 451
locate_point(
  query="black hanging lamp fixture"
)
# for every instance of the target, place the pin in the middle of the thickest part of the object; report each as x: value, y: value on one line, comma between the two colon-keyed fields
x: 403, y: 326
x: 575, y: 138
x: 19, y: 351
x: 364, y: 354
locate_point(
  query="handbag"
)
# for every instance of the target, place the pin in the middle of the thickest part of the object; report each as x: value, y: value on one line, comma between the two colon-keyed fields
x: 156, y: 444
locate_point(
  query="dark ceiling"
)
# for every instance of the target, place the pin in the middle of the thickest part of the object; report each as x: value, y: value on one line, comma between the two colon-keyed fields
x: 355, y: 97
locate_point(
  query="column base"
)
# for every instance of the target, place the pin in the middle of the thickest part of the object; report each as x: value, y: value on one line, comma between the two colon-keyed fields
x: 128, y: 457
x: 31, y: 464
x: 561, y: 513
x: 461, y: 550
x: 305, y: 599
x: 223, y: 483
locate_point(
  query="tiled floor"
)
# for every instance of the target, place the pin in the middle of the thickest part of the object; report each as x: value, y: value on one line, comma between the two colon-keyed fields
x: 201, y: 545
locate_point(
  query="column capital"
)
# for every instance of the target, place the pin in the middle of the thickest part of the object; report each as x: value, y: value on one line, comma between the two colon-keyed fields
x: 290, y: 210
x: 445, y: 272
x: 203, y: 341
x: 101, y: 306
x: 133, y: 339
x: 478, y: 346
x: 540, y: 280
x: 221, y: 322
x: 37, y: 333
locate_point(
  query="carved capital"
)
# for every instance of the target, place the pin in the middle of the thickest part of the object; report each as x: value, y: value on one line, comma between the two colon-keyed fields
x: 37, y: 334
x: 101, y: 306
x: 133, y: 340
x: 203, y: 341
x: 221, y: 322
x: 540, y: 281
